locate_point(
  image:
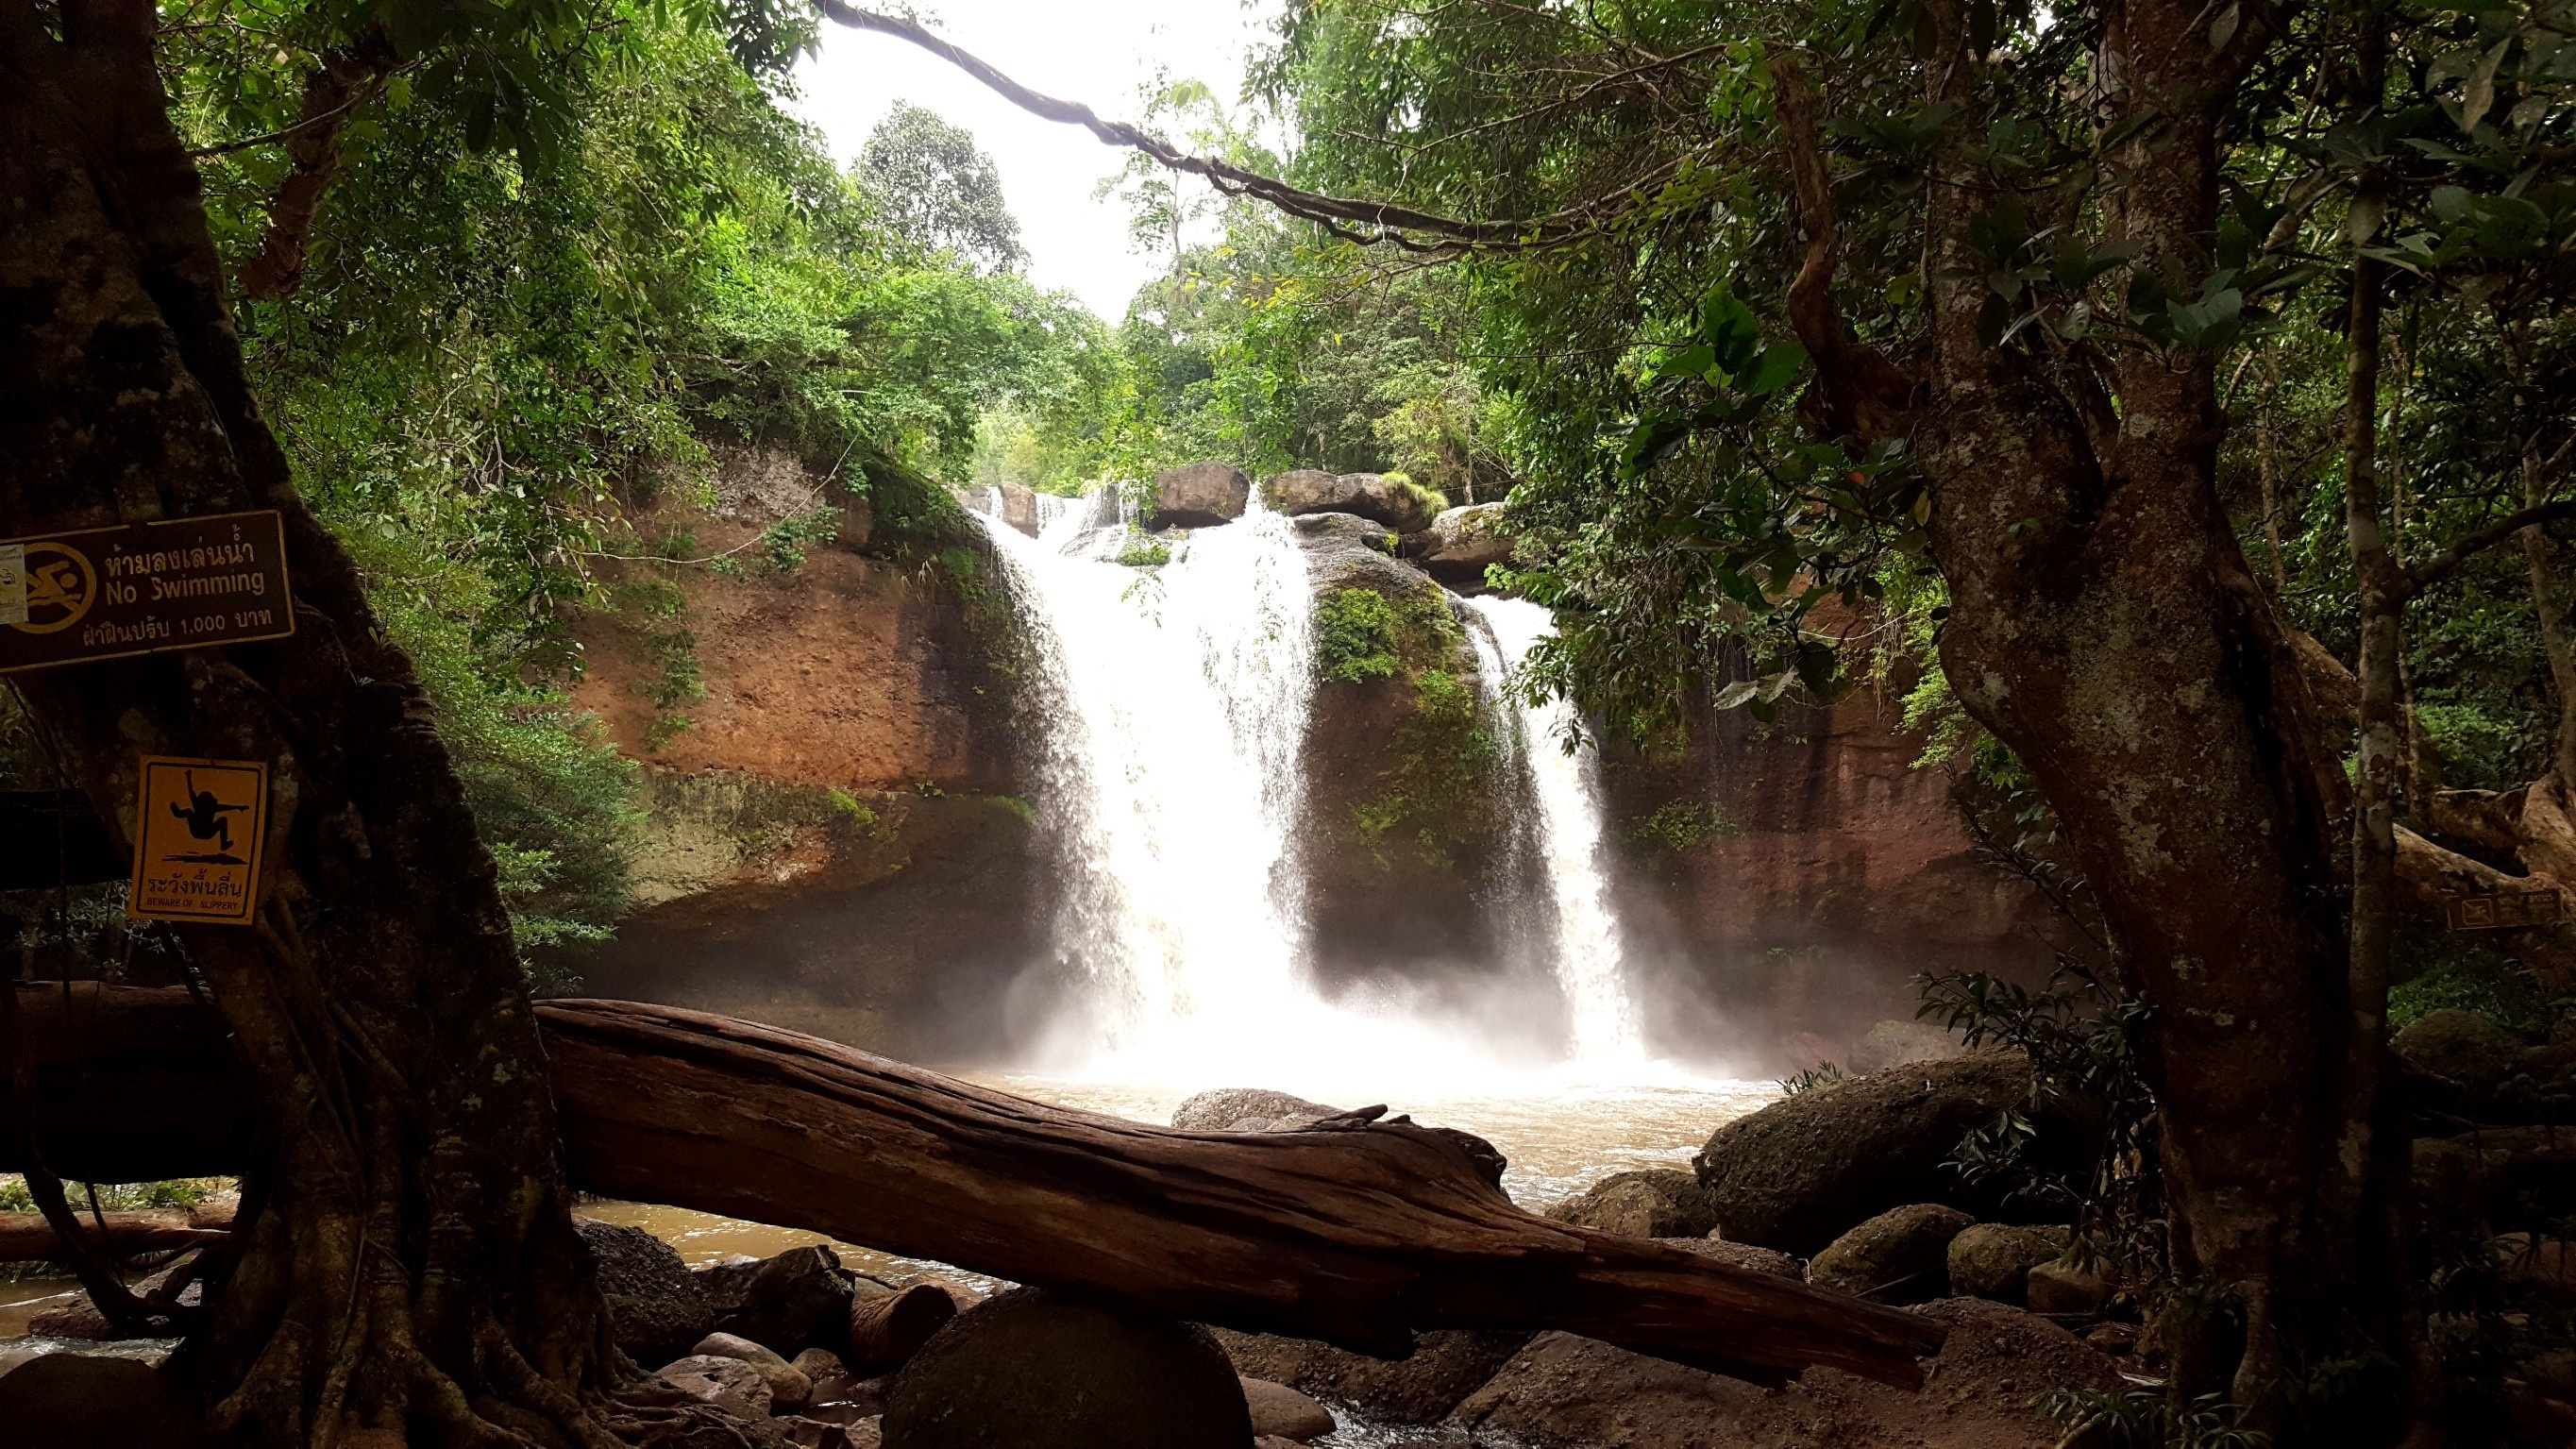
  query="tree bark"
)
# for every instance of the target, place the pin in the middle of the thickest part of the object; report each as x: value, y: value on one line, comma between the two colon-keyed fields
x: 2104, y: 624
x: 1358, y: 1232
x: 406, y: 1269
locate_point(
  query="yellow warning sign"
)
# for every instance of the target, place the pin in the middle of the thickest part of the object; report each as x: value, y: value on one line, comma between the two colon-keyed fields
x: 196, y: 853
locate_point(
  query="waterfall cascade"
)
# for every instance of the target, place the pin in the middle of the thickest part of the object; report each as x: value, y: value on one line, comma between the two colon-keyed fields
x: 1591, y: 960
x: 1173, y: 703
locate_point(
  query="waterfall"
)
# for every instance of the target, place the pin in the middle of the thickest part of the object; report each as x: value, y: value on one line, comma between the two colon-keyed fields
x: 1169, y: 703
x: 1176, y: 698
x: 1590, y: 957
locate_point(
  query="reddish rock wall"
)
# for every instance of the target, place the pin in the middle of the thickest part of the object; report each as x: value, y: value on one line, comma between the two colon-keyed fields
x: 835, y: 841
x: 1800, y: 875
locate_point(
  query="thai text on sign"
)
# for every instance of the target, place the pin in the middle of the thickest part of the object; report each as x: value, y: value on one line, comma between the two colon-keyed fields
x: 2510, y: 910
x: 197, y: 839
x: 107, y: 593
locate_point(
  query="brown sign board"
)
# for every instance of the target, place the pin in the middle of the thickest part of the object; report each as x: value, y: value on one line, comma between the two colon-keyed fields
x: 141, y: 588
x: 197, y: 840
x: 2508, y: 910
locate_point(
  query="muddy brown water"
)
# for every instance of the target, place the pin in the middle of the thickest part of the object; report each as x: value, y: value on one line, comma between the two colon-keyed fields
x: 1557, y: 1145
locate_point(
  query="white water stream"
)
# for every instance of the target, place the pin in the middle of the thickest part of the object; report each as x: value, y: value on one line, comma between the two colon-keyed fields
x: 1173, y: 704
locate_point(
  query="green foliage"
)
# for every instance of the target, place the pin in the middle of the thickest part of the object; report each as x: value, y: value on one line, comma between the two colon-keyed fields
x: 2454, y: 972
x: 2145, y: 1419
x: 851, y: 807
x: 1144, y: 551
x: 184, y: 1192
x: 938, y: 191
x: 1355, y: 636
x: 1681, y: 825
x: 1821, y: 1074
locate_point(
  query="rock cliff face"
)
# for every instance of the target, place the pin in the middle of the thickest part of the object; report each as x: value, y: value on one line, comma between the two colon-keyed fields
x: 1785, y: 883
x: 1404, y: 847
x: 836, y: 841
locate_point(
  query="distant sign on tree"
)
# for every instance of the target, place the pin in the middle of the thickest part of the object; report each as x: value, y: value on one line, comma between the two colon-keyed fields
x: 2508, y: 910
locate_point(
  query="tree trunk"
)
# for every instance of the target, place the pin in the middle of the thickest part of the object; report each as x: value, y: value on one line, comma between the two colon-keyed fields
x: 406, y: 1270
x: 2105, y: 625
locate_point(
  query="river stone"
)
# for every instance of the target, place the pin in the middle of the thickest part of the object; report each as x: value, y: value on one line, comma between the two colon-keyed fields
x: 2062, y: 1287
x: 2460, y: 1045
x: 1458, y: 545
x: 1305, y: 490
x: 1347, y: 529
x: 1200, y: 495
x: 786, y: 1304
x: 789, y: 1388
x: 1563, y: 1390
x: 88, y: 1401
x: 1993, y: 1260
x: 728, y: 1383
x: 655, y: 1306
x: 1742, y: 1255
x: 1900, y: 1255
x: 1804, y: 1170
x: 1660, y: 1202
x: 1279, y: 1411
x: 1037, y: 1370
x: 1446, y: 1365
x: 1222, y: 1109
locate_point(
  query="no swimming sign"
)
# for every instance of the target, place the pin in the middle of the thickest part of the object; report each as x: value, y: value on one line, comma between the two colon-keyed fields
x: 140, y: 588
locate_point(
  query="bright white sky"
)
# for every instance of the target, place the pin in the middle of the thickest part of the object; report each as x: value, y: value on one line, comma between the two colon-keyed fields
x: 1102, y: 53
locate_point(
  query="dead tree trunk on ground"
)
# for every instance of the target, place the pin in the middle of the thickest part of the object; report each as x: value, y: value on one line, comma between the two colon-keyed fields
x: 1357, y: 1232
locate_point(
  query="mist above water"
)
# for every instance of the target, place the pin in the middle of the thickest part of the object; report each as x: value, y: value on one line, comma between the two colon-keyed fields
x: 1171, y: 707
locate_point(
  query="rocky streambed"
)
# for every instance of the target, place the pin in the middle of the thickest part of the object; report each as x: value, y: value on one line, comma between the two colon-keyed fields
x: 822, y: 1344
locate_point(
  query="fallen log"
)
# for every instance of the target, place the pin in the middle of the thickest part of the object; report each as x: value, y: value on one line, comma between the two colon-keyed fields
x: 28, y: 1238
x: 1351, y: 1232
x: 1355, y: 1232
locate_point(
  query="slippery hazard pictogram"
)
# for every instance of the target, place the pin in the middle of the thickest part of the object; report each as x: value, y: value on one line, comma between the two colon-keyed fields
x: 199, y: 831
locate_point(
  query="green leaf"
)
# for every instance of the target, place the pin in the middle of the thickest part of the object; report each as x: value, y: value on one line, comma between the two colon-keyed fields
x: 2480, y: 95
x: 1775, y: 368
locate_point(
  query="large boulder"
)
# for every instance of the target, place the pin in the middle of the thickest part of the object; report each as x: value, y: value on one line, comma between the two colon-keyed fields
x: 1281, y: 1412
x: 656, y: 1307
x: 1900, y: 1256
x: 1659, y: 1202
x: 1020, y: 508
x: 1993, y: 1260
x: 1247, y: 1109
x: 789, y: 1386
x: 1446, y: 1365
x: 1301, y: 491
x: 84, y: 1401
x: 1565, y: 1392
x: 1742, y: 1255
x: 728, y: 1383
x: 1400, y: 504
x: 1035, y: 1370
x: 787, y: 1304
x: 1804, y: 1170
x: 1200, y: 495
x: 1458, y: 546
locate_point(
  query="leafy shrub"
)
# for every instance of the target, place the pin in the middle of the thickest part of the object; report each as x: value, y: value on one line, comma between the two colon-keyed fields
x: 1356, y: 636
x: 1145, y: 552
x: 1680, y: 825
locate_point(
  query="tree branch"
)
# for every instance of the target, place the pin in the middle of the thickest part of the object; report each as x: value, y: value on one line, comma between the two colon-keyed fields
x: 2443, y: 564
x: 1368, y: 223
x: 1863, y: 394
x: 346, y: 79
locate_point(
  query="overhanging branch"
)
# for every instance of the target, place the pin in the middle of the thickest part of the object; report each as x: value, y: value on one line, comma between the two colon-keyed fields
x: 2443, y: 564
x: 1369, y: 223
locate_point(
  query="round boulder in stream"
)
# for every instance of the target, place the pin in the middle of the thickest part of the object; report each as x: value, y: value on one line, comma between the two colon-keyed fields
x: 1803, y: 1171
x: 1037, y: 1370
